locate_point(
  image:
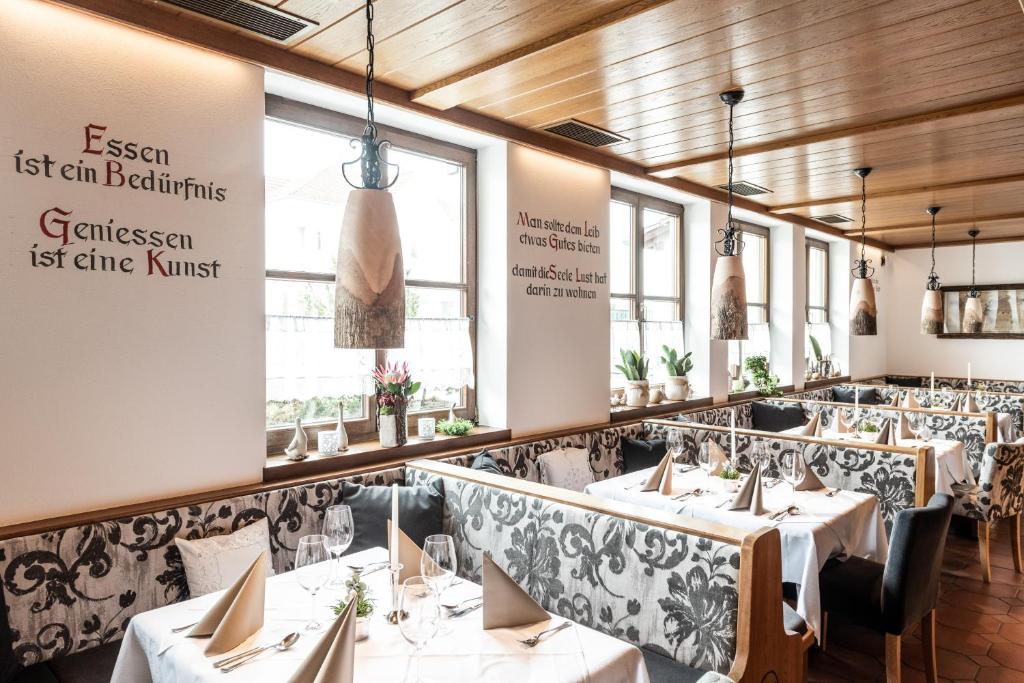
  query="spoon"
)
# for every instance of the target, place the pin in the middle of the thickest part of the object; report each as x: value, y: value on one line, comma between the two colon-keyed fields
x: 832, y: 492
x: 232, y: 663
x: 695, y: 492
x: 533, y: 640
x: 782, y: 514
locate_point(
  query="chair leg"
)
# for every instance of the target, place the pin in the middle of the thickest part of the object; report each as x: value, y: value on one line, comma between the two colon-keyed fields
x: 928, y: 647
x: 893, y: 651
x: 824, y: 631
x: 983, y: 551
x: 1015, y: 542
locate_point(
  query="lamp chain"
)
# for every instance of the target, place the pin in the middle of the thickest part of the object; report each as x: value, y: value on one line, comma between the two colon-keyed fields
x: 731, y: 142
x: 863, y: 215
x: 369, y: 65
x: 974, y: 253
x: 933, y: 277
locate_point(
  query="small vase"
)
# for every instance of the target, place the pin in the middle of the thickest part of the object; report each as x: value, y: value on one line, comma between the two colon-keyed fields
x: 387, y: 428
x: 637, y: 394
x: 677, y: 388
x: 342, y: 432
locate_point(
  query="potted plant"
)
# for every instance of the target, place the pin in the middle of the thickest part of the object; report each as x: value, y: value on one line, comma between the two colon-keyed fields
x: 767, y: 384
x: 394, y: 387
x: 455, y: 426
x: 634, y: 368
x: 730, y: 478
x: 677, y: 384
x: 816, y: 368
x: 364, y: 605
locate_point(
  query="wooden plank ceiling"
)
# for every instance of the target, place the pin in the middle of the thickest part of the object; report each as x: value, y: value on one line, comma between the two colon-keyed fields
x: 929, y: 93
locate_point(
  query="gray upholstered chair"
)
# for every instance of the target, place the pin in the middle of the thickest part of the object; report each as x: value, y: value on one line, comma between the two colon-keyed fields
x: 998, y: 496
x: 894, y: 596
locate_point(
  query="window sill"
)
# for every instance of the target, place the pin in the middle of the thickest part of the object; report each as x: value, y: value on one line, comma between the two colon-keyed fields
x: 748, y: 395
x: 369, y: 452
x: 818, y: 383
x: 624, y: 414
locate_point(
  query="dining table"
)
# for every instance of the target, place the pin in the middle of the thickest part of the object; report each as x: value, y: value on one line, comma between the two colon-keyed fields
x: 827, y: 523
x: 152, y: 653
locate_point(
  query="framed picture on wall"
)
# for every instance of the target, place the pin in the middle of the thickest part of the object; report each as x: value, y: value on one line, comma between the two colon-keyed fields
x: 1002, y: 312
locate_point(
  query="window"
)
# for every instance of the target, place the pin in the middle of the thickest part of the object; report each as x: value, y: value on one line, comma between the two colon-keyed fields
x: 817, y: 301
x: 646, y: 279
x: 306, y: 196
x: 756, y: 269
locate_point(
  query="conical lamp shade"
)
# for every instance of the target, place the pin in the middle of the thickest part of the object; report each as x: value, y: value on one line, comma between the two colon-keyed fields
x: 369, y: 295
x: 729, y: 299
x: 974, y: 316
x: 863, y: 312
x: 931, y: 312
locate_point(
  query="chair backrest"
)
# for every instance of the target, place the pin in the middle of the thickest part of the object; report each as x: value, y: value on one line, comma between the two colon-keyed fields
x: 910, y: 585
x: 1001, y: 484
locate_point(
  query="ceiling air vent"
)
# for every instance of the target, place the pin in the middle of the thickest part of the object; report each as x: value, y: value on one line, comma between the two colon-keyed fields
x: 832, y: 218
x: 249, y: 15
x: 745, y: 189
x: 585, y: 133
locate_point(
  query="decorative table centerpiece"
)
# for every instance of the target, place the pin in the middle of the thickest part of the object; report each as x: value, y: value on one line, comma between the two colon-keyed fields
x: 394, y: 388
x: 364, y: 605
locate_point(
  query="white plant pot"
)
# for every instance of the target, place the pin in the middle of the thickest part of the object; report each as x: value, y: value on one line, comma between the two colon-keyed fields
x: 731, y: 485
x: 388, y: 431
x: 362, y: 628
x: 637, y: 394
x: 677, y: 388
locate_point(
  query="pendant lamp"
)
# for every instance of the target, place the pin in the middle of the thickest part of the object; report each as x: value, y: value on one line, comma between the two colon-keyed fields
x: 974, y: 312
x: 931, y: 305
x: 863, y: 311
x: 369, y: 295
x: 729, y: 284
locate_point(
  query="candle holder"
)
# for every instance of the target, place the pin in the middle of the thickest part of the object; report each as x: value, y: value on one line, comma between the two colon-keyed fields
x: 396, y: 571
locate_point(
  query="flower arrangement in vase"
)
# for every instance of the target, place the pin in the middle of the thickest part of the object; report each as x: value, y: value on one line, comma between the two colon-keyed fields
x: 394, y: 388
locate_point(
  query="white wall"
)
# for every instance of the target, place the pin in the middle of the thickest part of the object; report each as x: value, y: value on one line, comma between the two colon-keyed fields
x: 120, y: 387
x: 910, y: 352
x: 788, y: 301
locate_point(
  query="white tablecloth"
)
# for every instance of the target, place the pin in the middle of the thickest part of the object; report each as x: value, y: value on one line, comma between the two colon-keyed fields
x: 843, y: 525
x: 150, y: 653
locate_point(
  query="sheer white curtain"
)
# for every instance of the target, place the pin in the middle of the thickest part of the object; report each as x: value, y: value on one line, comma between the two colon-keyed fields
x: 625, y: 335
x: 440, y: 356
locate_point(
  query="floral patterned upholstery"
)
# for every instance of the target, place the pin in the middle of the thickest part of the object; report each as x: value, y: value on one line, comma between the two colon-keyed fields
x: 673, y: 593
x: 1000, y: 491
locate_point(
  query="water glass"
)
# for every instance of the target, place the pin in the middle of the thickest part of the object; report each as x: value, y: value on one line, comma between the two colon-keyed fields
x: 312, y: 570
x: 793, y: 467
x: 674, y: 443
x: 704, y: 459
x: 339, y: 530
x: 419, y: 615
x: 439, y: 564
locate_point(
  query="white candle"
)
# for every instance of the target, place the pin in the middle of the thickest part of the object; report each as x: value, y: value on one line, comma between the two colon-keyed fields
x: 856, y: 404
x: 968, y: 376
x: 732, y: 435
x: 932, y: 396
x: 394, y: 525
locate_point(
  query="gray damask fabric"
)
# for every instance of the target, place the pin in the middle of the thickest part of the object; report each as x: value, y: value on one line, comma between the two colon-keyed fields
x: 1000, y: 491
x: 670, y: 592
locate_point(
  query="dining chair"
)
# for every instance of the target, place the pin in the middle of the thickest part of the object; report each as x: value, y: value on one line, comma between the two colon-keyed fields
x: 894, y: 596
x: 998, y: 496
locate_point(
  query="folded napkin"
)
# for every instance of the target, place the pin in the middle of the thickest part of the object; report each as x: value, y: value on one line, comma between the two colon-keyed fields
x: 238, y: 613
x: 895, y: 402
x: 904, y: 428
x: 409, y: 554
x: 839, y: 425
x: 661, y: 480
x: 910, y: 401
x: 751, y: 494
x: 955, y: 406
x: 812, y: 428
x: 886, y: 433
x: 718, y: 457
x: 506, y: 604
x: 970, y: 405
x: 333, y: 658
x: 808, y: 482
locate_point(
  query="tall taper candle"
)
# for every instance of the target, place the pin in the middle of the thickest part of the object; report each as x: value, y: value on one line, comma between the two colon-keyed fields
x: 968, y: 375
x: 856, y: 405
x: 932, y: 396
x: 394, y: 525
x: 732, y: 440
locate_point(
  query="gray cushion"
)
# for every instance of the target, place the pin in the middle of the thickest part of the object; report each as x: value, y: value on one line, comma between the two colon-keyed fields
x: 868, y: 397
x: 770, y: 417
x: 485, y: 462
x: 419, y: 512
x: 663, y: 669
x: 640, y: 454
x: 89, y: 666
x: 792, y: 621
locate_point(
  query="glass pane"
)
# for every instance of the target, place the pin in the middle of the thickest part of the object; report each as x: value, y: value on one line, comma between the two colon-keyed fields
x: 754, y: 266
x: 817, y: 277
x: 625, y: 335
x: 305, y: 196
x: 429, y: 200
x: 306, y: 375
x: 661, y: 253
x: 822, y: 333
x: 756, y: 315
x: 656, y: 335
x: 660, y: 310
x: 757, y: 344
x: 817, y: 315
x: 622, y: 309
x: 430, y: 302
x: 621, y: 266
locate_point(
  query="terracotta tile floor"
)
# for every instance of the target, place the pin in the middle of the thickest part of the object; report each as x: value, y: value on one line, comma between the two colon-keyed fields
x: 980, y: 632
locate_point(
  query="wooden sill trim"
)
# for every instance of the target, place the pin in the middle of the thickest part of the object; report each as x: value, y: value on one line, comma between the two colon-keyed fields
x: 812, y: 384
x: 622, y: 415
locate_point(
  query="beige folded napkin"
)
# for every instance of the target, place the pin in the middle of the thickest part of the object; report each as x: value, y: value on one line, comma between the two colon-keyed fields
x: 661, y: 480
x: 808, y: 482
x: 839, y: 425
x: 409, y: 554
x: 718, y: 457
x: 904, y: 428
x: 812, y: 428
x: 895, y: 400
x: 751, y: 494
x: 238, y: 613
x: 957, y: 404
x: 910, y: 400
x: 333, y: 658
x: 885, y: 434
x: 970, y: 405
x: 506, y: 604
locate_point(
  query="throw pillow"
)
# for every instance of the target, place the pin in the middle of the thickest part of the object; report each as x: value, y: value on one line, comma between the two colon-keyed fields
x: 485, y: 462
x: 868, y: 396
x: 215, y: 562
x: 641, y: 454
x: 419, y: 513
x: 771, y: 417
x: 568, y: 468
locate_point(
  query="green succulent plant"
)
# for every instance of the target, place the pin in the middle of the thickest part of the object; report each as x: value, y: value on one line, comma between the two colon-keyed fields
x: 816, y: 347
x: 633, y: 366
x: 767, y: 384
x: 456, y: 427
x: 676, y: 366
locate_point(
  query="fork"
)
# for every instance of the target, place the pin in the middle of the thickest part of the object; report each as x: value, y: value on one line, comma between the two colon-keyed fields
x: 453, y: 613
x: 186, y: 627
x: 533, y: 640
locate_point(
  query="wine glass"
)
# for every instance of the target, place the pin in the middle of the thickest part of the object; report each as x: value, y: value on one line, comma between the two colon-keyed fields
x: 674, y: 443
x: 438, y: 564
x: 792, y: 463
x: 312, y: 569
x: 704, y: 459
x: 419, y: 614
x: 339, y: 530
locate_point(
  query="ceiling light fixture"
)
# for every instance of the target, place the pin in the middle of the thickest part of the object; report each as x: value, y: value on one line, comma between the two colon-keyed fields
x: 974, y: 312
x: 729, y: 286
x: 369, y: 295
x: 931, y: 304
x: 863, y: 311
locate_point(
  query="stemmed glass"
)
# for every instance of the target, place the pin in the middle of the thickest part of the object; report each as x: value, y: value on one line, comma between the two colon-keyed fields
x: 339, y: 530
x: 704, y: 459
x: 312, y: 569
x: 438, y: 564
x: 792, y: 463
x: 419, y: 614
x: 674, y: 443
